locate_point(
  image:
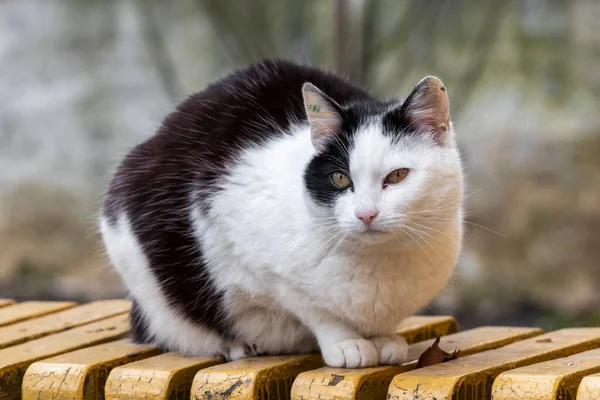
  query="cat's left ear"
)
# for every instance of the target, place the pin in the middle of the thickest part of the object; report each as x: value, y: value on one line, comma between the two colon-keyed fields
x: 323, y: 114
x: 427, y: 106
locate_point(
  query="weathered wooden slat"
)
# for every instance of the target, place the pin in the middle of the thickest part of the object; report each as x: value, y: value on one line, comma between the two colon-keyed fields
x: 6, y: 302
x: 164, y: 377
x: 372, y: 383
x: 473, y: 376
x: 589, y: 388
x: 252, y: 378
x: 32, y: 309
x: 27, y: 330
x: 81, y: 374
x: 418, y: 328
x: 15, y: 360
x: 554, y: 379
x: 477, y: 340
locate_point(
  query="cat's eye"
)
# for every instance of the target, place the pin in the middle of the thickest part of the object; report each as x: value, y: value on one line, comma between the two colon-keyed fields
x: 341, y: 180
x: 396, y: 176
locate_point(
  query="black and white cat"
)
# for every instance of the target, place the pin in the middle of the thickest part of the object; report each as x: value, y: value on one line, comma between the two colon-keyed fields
x: 283, y: 210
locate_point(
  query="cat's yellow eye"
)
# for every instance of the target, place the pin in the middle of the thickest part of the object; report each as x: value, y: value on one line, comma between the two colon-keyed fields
x: 341, y: 180
x: 396, y: 176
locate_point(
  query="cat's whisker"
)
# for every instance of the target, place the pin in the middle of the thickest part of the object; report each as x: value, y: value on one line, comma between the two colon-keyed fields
x: 434, y: 230
x: 339, y: 243
x: 431, y: 236
x: 334, y: 236
x: 332, y: 251
x: 419, y: 244
x: 419, y: 234
x: 486, y: 228
x: 401, y: 220
x: 442, y: 208
x: 327, y: 229
x: 328, y: 219
x: 299, y: 236
x: 420, y: 217
x: 450, y: 203
x: 467, y: 222
x: 323, y: 222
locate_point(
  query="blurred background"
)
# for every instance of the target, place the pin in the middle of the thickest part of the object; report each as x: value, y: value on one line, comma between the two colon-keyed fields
x: 83, y: 81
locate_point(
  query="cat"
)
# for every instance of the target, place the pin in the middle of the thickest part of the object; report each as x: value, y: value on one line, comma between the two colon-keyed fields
x: 285, y: 210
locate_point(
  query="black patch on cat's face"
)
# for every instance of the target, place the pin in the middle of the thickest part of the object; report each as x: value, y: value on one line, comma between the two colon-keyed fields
x: 395, y: 123
x: 317, y: 176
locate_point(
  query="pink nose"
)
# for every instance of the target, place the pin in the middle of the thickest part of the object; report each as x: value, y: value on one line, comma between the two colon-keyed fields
x: 367, y: 215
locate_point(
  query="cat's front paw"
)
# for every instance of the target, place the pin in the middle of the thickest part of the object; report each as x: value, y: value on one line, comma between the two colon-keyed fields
x: 392, y: 349
x: 351, y: 353
x: 237, y: 351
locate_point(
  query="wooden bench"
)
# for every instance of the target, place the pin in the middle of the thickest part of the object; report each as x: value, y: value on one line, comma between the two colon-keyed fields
x: 61, y: 350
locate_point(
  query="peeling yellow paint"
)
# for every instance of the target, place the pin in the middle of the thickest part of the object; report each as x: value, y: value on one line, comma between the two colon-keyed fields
x: 80, y: 374
x: 337, y: 383
x: 27, y: 330
x: 252, y: 378
x: 472, y: 376
x: 589, y: 388
x: 15, y: 360
x: 418, y: 328
x: 372, y: 383
x: 555, y: 379
x: 164, y: 377
x: 32, y: 309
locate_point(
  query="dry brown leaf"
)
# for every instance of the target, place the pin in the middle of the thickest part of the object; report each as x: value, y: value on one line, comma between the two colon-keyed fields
x: 434, y: 355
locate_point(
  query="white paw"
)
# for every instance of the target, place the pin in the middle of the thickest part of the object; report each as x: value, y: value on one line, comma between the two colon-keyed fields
x: 351, y: 353
x: 392, y: 349
x: 238, y: 351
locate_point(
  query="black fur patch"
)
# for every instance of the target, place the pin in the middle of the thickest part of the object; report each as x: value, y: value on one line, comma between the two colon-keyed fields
x: 336, y: 155
x: 139, y: 329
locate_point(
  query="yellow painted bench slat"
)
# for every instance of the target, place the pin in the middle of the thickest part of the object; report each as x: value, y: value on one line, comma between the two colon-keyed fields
x: 589, y: 389
x: 80, y: 374
x: 27, y: 330
x: 372, y: 383
x: 472, y: 376
x: 554, y: 379
x: 6, y: 302
x: 32, y: 309
x: 418, y: 328
x: 477, y: 340
x: 164, y: 377
x: 15, y: 360
x: 252, y: 378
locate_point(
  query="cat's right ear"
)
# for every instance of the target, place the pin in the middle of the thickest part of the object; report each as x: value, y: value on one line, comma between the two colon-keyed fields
x: 427, y: 106
x: 323, y: 114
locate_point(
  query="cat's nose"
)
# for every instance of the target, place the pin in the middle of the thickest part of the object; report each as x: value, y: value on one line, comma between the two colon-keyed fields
x: 367, y: 215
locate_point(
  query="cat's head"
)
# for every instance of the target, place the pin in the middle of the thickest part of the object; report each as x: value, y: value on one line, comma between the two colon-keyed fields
x: 381, y: 170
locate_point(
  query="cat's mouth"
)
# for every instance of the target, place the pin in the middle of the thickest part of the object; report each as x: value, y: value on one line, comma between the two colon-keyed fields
x: 374, y: 231
x: 371, y: 233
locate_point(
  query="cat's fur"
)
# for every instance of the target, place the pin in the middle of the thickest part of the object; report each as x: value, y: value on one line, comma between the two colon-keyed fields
x: 233, y: 240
